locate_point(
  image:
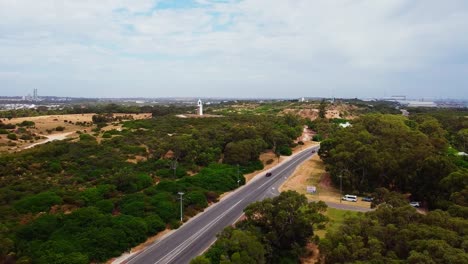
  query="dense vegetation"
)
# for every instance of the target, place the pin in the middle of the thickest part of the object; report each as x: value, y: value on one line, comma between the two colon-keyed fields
x: 273, y: 231
x: 397, y: 233
x: 407, y: 155
x: 159, y: 110
x: 454, y: 121
x: 84, y: 201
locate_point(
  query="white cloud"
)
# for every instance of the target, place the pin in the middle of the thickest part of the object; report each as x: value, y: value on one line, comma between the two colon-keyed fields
x: 285, y: 48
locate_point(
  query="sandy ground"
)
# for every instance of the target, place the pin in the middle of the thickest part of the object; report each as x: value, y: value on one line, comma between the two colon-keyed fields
x: 312, y: 173
x: 313, y: 254
x: 264, y: 157
x: 311, y: 111
x: 50, y: 122
x: 51, y: 138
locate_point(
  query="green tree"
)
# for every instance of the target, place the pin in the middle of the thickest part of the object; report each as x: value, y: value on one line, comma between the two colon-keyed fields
x: 286, y: 220
x: 200, y: 260
x: 12, y: 136
x: 38, y: 202
x: 236, y: 246
x: 322, y: 109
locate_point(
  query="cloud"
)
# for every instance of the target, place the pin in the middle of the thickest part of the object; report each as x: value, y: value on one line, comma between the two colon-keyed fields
x: 235, y: 48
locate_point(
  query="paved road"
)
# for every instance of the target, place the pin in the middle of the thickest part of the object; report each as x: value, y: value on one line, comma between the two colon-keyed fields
x: 199, y: 233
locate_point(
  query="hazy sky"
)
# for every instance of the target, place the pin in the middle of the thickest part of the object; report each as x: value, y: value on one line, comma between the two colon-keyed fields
x: 251, y: 48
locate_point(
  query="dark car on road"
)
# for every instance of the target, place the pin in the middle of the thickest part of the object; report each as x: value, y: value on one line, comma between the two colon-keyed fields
x: 268, y: 174
x: 313, y: 151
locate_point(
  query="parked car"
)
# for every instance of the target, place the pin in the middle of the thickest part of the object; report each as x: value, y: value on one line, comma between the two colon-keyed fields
x: 367, y: 199
x: 415, y: 204
x: 268, y: 174
x: 349, y: 198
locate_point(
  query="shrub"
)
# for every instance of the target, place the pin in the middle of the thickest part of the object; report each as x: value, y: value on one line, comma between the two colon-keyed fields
x: 60, y: 128
x: 284, y: 150
x: 317, y: 138
x: 26, y: 123
x: 26, y: 137
x: 251, y: 167
x: 3, y: 131
x: 155, y: 224
x: 38, y: 202
x: 7, y: 126
x: 105, y: 206
x: 12, y: 136
x: 270, y: 161
x: 85, y: 137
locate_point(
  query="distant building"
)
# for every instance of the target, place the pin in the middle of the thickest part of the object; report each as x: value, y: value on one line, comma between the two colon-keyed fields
x: 420, y: 104
x: 200, y: 107
x: 35, y: 98
x: 345, y: 125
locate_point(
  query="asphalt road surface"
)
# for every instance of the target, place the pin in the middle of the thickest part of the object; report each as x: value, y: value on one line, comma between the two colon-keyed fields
x: 196, y: 235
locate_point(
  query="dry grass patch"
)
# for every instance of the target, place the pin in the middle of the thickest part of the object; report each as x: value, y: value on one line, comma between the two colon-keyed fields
x: 312, y: 173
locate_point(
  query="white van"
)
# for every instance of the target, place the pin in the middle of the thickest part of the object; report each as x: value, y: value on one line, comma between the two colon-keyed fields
x: 349, y: 198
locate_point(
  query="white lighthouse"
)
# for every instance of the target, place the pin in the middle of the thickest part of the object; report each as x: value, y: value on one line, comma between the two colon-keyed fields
x: 200, y: 107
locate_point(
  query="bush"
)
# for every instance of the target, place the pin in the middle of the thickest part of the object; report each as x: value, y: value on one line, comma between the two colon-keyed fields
x: 105, y: 206
x: 7, y: 126
x: 270, y: 161
x: 26, y: 123
x: 155, y: 224
x: 26, y: 137
x: 86, y: 137
x: 317, y: 138
x: 37, y: 203
x: 251, y: 167
x: 168, y: 173
x: 3, y: 131
x: 285, y: 151
x: 60, y: 128
x: 12, y: 136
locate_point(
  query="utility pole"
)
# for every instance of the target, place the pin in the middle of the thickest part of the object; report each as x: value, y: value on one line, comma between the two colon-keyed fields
x: 181, y: 206
x: 174, y: 166
x: 238, y: 181
x: 341, y: 187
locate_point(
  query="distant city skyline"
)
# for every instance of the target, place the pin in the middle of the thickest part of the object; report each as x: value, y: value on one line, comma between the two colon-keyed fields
x: 234, y: 49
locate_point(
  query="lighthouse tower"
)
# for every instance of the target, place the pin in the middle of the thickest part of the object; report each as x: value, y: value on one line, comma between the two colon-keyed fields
x: 200, y: 107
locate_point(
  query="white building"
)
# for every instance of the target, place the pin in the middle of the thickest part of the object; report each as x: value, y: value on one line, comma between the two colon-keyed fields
x: 200, y: 107
x: 345, y: 125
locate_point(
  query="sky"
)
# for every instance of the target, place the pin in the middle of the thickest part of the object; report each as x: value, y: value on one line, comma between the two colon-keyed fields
x: 234, y: 48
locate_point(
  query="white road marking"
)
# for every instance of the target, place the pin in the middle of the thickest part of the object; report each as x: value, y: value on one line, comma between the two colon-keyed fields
x: 213, y: 222
x: 173, y: 253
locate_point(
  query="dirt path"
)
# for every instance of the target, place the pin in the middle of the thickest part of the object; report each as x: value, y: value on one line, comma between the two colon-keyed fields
x: 50, y: 138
